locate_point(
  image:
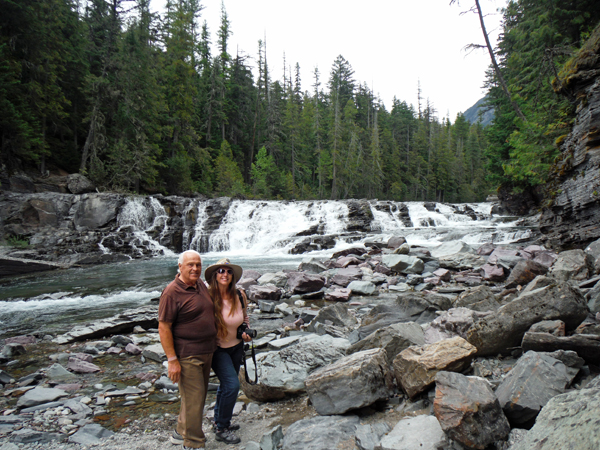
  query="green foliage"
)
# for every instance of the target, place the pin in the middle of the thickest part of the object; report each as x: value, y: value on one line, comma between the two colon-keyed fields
x: 229, y: 180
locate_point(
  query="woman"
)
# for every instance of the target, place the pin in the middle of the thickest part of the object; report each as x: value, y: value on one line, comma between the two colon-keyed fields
x: 230, y: 313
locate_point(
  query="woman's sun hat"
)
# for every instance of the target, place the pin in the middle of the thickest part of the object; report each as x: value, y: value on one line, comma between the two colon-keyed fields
x: 210, y: 270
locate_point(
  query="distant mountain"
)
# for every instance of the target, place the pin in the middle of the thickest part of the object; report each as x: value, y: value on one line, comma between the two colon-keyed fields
x: 472, y: 114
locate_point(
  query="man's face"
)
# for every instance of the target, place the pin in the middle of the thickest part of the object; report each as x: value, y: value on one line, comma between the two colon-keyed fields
x: 190, y: 268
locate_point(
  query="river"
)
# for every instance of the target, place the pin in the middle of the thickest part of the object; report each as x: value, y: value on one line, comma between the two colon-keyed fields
x: 256, y: 235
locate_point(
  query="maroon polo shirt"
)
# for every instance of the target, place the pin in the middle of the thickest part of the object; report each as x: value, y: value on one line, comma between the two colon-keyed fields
x: 190, y: 310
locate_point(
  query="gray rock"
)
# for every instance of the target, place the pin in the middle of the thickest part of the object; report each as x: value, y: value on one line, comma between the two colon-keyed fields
x: 534, y: 380
x: 96, y: 211
x: 352, y: 382
x: 121, y: 323
x: 393, y: 339
x: 368, y: 436
x: 451, y: 248
x: 567, y: 421
x: 504, y: 329
x: 90, y: 434
x: 524, y: 272
x: 257, y: 292
x: 133, y: 349
x: 362, y: 288
x: 165, y: 383
x: 396, y: 241
x: 320, y: 433
x: 403, y: 263
x: 40, y: 395
x: 468, y: 410
x: 12, y: 350
x: 271, y: 439
x: 480, y: 298
x: 58, y: 372
x: 29, y: 436
x: 554, y: 327
x: 336, y: 314
x: 251, y: 445
x: 593, y: 251
x: 492, y: 272
x: 312, y: 265
x: 79, y: 184
x: 505, y: 257
x: 451, y: 323
x: 77, y: 407
x: 421, y: 307
x: 266, y: 306
x: 282, y: 373
x: 278, y: 344
x: 121, y: 340
x: 572, y: 265
x: 415, y: 433
x: 338, y: 295
x: 461, y: 261
x: 278, y: 279
x: 155, y: 352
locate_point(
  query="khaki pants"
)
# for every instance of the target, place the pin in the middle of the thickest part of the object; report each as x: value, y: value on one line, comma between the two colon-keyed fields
x: 193, y: 386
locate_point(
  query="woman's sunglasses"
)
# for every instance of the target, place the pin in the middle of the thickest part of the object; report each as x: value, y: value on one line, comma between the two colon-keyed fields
x: 223, y: 270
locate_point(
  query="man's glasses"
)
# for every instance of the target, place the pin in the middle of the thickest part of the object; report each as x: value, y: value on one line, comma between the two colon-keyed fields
x: 223, y: 270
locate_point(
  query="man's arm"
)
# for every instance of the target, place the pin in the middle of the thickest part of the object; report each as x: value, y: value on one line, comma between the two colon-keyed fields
x: 166, y: 339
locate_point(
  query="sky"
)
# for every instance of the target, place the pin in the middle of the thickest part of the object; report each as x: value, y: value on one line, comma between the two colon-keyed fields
x: 393, y: 45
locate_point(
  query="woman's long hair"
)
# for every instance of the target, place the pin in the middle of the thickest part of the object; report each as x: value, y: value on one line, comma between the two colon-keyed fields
x: 215, y: 295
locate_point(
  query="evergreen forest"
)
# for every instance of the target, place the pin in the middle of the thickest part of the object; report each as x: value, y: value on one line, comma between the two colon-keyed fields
x: 147, y: 102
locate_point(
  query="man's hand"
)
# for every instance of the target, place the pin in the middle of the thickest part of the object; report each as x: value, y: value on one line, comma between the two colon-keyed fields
x: 174, y: 370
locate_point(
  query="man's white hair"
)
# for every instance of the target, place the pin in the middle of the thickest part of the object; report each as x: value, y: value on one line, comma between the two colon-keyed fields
x: 180, y: 259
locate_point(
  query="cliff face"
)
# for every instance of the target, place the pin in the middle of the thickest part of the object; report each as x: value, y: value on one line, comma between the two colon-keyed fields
x: 572, y: 215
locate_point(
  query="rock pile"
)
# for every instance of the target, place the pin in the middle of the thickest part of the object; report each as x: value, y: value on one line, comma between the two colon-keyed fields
x: 490, y: 349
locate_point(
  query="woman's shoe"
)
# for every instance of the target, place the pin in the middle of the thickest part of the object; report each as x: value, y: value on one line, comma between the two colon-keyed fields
x: 176, y: 438
x: 227, y: 436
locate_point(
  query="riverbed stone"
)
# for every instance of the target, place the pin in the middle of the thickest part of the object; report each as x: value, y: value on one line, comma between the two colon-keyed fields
x: 362, y: 288
x: 258, y: 292
x: 302, y: 283
x: 451, y: 323
x: 58, y: 372
x: 572, y: 265
x: 312, y: 265
x: 30, y: 436
x: 415, y: 368
x: 90, y: 435
x: 40, y: 395
x: 336, y: 314
x: 338, y: 295
x: 504, y: 329
x: 403, y: 263
x: 451, y: 248
x: 492, y: 272
x: 321, y: 433
x: 352, y: 382
x: 282, y: 373
x: 78, y: 366
x: 468, y: 410
x: 524, y: 272
x: 480, y: 298
x: 343, y: 277
x: 393, y: 339
x: 422, y: 432
x: 534, y: 380
x: 568, y: 420
x: 278, y: 279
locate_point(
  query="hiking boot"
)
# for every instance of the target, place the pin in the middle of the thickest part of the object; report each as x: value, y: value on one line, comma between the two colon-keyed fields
x: 232, y: 426
x: 176, y: 438
x: 224, y: 435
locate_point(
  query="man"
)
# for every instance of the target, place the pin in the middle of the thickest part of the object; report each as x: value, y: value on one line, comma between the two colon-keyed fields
x: 186, y: 325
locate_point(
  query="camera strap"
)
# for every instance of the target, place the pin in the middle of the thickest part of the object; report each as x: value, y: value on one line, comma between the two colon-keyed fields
x: 246, y: 347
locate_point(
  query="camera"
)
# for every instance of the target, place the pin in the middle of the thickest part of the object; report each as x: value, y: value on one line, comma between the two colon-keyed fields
x: 243, y: 328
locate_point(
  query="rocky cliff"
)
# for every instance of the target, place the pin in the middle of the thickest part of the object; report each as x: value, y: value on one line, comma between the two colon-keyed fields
x: 571, y: 217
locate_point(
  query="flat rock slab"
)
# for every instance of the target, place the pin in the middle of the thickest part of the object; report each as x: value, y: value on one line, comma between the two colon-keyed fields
x: 568, y: 420
x: 321, y: 433
x: 40, y: 395
x: 146, y: 317
x: 416, y: 433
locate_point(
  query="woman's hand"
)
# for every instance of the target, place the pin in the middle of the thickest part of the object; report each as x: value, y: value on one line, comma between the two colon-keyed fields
x: 246, y: 338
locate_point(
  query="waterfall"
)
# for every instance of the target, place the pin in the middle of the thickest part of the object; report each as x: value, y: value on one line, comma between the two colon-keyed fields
x: 142, y: 224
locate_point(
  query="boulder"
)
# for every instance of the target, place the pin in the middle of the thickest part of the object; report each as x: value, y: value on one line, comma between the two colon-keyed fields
x: 461, y: 261
x: 393, y: 339
x: 480, y: 298
x: 362, y: 288
x: 345, y: 261
x: 504, y: 329
x: 586, y: 345
x: 404, y: 249
x: 555, y: 327
x: 78, y: 366
x: 302, y: 283
x: 352, y: 382
x: 90, y: 435
x: 368, y: 436
x: 271, y: 439
x: 320, y: 433
x: 451, y: 323
x: 312, y: 265
x: 420, y: 307
x: 79, y: 184
x: 567, y: 421
x: 505, y: 257
x: 257, y: 292
x: 97, y: 211
x: 534, y: 380
x: 415, y: 433
x: 572, y: 265
x: 335, y: 314
x: 415, y: 368
x: 593, y: 251
x: 278, y: 279
x: 524, y: 272
x: 344, y: 277
x: 282, y: 373
x: 403, y: 263
x: 395, y: 242
x: 451, y: 248
x: 468, y: 410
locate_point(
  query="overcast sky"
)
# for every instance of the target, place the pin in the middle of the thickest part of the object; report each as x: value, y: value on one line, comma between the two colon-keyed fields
x: 391, y: 44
